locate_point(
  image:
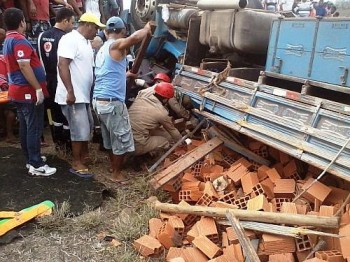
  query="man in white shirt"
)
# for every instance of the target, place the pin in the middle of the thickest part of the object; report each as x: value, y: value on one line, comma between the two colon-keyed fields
x: 75, y: 78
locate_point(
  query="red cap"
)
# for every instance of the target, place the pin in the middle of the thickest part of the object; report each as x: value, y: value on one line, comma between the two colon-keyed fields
x: 165, y: 90
x: 162, y: 76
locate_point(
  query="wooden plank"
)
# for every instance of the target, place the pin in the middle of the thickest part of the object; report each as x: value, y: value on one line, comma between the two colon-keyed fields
x: 246, y: 245
x: 250, y: 215
x: 178, y: 167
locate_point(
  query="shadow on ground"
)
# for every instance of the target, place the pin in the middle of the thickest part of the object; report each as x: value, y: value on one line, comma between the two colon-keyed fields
x: 18, y: 190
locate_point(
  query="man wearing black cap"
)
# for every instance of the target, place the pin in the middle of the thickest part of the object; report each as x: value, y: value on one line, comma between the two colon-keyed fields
x: 110, y: 90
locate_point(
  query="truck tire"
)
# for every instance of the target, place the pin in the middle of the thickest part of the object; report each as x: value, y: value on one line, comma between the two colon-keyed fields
x: 147, y: 7
x: 252, y: 31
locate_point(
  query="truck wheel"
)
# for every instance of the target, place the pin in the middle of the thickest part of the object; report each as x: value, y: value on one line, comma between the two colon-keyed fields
x: 142, y: 11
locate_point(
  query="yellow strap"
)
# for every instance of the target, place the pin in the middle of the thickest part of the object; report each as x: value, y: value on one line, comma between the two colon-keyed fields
x: 22, y: 217
x: 8, y: 214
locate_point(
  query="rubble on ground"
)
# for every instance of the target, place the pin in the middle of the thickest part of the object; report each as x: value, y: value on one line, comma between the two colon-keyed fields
x: 223, y: 178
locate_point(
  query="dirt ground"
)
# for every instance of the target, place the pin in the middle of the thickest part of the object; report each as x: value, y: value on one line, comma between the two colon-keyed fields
x: 123, y: 215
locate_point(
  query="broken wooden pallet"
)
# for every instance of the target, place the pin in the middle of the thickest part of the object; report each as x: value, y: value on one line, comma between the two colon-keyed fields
x: 178, y: 167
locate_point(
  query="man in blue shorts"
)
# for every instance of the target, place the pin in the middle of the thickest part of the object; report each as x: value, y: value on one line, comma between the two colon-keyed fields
x: 110, y: 91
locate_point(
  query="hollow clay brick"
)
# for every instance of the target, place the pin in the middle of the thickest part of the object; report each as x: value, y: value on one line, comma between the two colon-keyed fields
x: 216, y: 169
x: 229, y: 197
x: 241, y: 202
x: 248, y: 181
x: 191, y: 195
x: 186, y: 217
x: 273, y: 174
x: 154, y: 224
x: 194, y: 254
x: 327, y: 211
x: 174, y: 197
x: 234, y: 253
x: 303, y: 243
x: 232, y: 236
x: 279, y: 168
x: 291, y: 171
x: 258, y: 203
x: 284, y: 188
x: 274, y: 153
x: 221, y: 258
x: 268, y: 183
x: 272, y: 207
x: 301, y: 256
x: 206, y: 246
x: 337, y: 196
x: 173, y: 185
x: 238, y: 170
x: 207, y: 227
x: 289, y: 208
x: 255, y: 145
x: 147, y: 246
x: 301, y: 209
x: 197, y: 169
x: 318, y: 191
x: 190, y: 185
x: 189, y: 177
x: 164, y: 216
x: 262, y: 172
x: 238, y: 252
x: 204, y: 200
x: 192, y: 233
x: 277, y: 202
x: 330, y: 255
x: 284, y: 257
x: 168, y: 237
x: 261, y: 189
x: 284, y: 158
x: 273, y: 244
x: 177, y: 224
x: 174, y: 252
x: 344, y: 231
x: 255, y: 166
x: 224, y: 240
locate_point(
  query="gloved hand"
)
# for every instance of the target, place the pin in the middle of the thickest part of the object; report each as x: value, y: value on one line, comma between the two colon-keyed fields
x: 39, y: 96
x: 140, y: 82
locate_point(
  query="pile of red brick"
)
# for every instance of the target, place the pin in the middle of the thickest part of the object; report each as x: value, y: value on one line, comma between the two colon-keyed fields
x: 225, y: 179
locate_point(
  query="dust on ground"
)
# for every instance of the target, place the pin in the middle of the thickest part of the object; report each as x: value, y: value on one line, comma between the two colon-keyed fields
x: 124, y: 215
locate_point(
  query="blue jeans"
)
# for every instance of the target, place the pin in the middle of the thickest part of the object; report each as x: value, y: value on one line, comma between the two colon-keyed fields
x: 31, y: 125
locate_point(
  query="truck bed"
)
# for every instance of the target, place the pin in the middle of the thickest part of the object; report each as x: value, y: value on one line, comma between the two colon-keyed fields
x: 311, y: 129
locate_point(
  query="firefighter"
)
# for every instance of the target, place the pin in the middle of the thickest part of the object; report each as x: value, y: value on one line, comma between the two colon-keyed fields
x: 151, y: 125
x: 176, y: 109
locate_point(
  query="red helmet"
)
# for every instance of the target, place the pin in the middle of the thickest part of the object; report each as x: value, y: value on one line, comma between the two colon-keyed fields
x: 162, y: 76
x: 165, y: 90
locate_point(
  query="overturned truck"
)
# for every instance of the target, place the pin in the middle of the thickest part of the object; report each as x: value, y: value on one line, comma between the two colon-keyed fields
x: 282, y: 81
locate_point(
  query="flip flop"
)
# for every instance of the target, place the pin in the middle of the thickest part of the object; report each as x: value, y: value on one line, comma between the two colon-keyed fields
x: 81, y: 173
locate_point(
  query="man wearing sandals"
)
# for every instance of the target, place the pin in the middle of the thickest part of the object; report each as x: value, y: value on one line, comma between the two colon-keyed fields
x: 110, y: 91
x: 75, y: 78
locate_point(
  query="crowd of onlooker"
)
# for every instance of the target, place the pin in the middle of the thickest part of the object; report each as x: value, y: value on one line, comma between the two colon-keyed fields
x: 302, y: 8
x: 67, y: 75
x: 40, y: 15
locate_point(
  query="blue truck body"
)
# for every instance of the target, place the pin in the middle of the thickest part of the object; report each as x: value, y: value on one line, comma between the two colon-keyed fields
x: 310, y: 128
x: 311, y: 49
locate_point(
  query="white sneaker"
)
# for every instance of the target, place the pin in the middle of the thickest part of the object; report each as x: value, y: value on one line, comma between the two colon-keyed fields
x: 41, y: 171
x: 43, y: 158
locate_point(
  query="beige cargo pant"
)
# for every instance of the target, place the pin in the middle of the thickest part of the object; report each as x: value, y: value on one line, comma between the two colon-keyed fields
x: 158, y: 140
